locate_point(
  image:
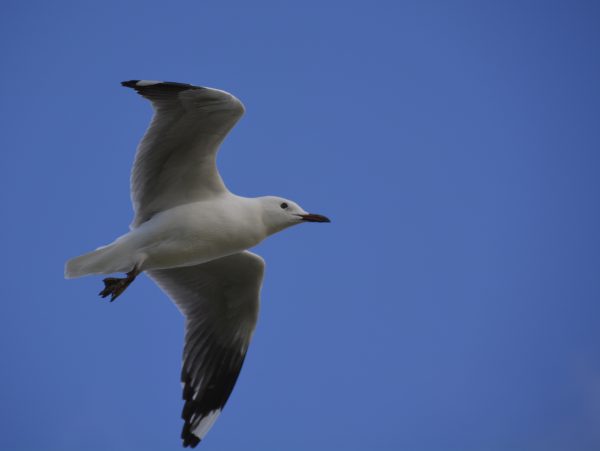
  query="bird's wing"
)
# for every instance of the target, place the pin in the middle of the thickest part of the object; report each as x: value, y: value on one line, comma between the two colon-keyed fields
x: 220, y: 301
x: 175, y: 162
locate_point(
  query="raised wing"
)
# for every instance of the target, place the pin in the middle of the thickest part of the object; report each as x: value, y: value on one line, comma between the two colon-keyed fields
x: 220, y: 301
x: 175, y: 162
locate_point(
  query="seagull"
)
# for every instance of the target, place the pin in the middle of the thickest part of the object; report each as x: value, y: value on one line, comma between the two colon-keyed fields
x: 191, y: 235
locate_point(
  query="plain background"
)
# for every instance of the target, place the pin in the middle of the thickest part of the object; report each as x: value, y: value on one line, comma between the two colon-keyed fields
x: 453, y: 303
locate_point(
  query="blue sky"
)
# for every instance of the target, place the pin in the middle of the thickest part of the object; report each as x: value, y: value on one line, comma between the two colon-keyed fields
x: 453, y: 303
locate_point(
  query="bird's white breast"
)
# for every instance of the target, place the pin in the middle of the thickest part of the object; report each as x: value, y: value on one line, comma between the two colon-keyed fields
x: 196, y: 233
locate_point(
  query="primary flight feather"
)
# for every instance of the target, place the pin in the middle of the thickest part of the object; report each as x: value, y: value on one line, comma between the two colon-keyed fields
x: 190, y: 234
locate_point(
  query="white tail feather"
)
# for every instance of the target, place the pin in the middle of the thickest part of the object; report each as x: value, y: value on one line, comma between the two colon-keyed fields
x: 100, y: 261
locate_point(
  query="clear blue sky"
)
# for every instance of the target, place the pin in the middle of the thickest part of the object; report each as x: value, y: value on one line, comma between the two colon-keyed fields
x: 453, y: 303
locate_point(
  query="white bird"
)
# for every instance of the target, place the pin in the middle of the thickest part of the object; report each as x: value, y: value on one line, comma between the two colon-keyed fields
x: 190, y: 234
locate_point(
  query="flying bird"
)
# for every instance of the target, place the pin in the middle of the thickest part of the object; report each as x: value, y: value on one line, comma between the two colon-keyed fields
x: 191, y: 235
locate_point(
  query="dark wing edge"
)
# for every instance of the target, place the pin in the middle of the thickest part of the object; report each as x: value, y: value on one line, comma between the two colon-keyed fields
x: 143, y: 84
x: 157, y: 90
x: 220, y: 301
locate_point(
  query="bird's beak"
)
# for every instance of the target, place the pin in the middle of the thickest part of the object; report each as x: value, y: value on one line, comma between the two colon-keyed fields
x: 311, y: 217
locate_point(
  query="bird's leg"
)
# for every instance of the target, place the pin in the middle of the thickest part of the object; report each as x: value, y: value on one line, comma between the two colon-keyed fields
x: 114, y: 286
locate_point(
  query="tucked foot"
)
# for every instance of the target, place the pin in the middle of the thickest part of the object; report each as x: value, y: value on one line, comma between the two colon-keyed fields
x: 114, y: 286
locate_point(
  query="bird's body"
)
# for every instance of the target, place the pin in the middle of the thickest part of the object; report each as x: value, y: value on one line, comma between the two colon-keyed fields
x: 184, y: 235
x: 191, y: 235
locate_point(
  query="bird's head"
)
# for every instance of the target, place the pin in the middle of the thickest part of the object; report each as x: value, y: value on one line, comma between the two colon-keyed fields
x: 279, y: 213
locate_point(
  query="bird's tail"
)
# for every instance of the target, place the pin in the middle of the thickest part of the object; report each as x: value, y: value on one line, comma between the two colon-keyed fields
x: 100, y: 261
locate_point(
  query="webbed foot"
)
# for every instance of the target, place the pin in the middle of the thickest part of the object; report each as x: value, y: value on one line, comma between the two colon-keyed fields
x: 114, y: 286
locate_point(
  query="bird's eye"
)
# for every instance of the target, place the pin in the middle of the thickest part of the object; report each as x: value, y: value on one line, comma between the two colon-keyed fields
x: 284, y: 205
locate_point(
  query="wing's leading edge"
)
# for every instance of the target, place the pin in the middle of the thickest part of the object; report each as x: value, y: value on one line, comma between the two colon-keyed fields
x: 175, y: 162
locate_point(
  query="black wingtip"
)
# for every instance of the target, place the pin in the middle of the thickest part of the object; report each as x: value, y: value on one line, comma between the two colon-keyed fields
x: 192, y: 442
x: 169, y: 86
x: 130, y: 83
x: 188, y: 438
